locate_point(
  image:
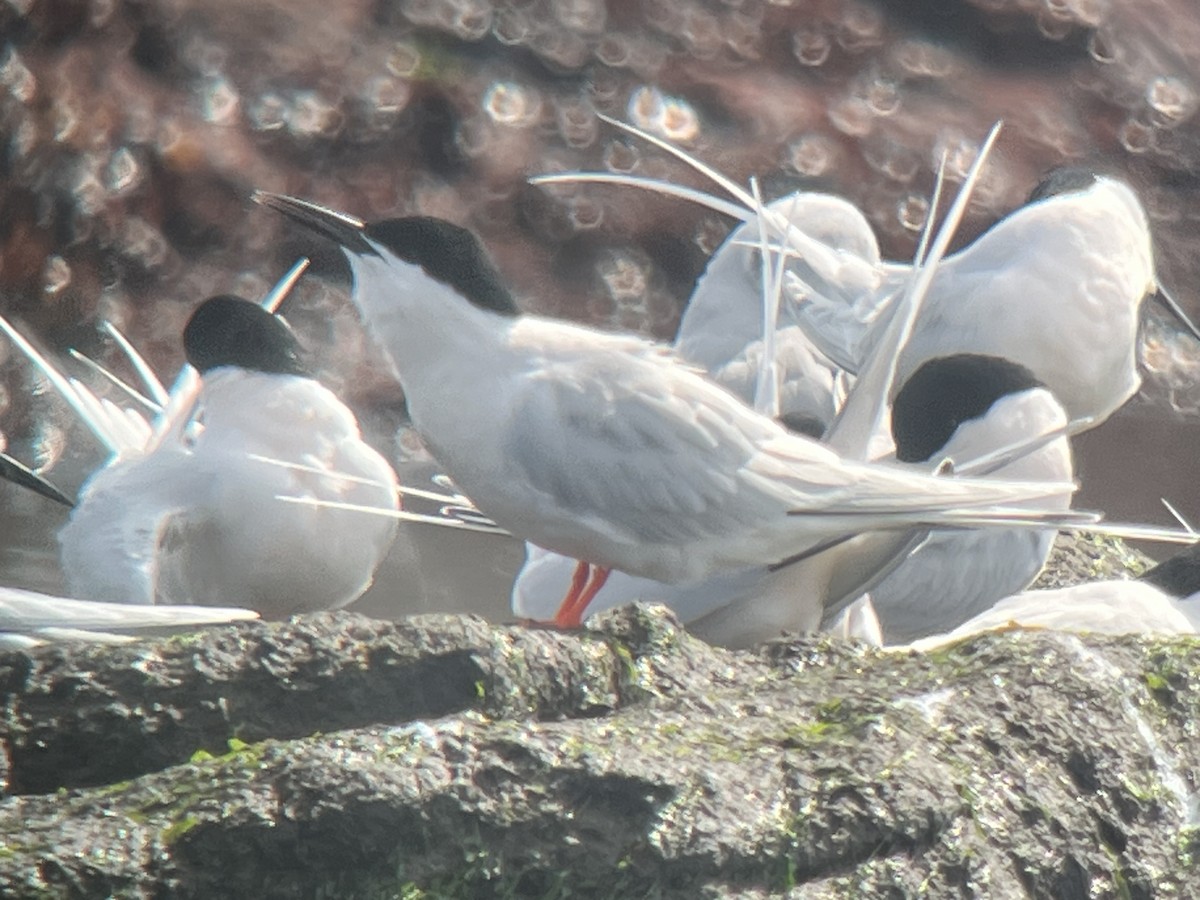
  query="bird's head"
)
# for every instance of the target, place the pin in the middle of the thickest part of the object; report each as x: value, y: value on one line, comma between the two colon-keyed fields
x: 229, y: 331
x: 948, y: 391
x: 441, y: 250
x: 1066, y: 180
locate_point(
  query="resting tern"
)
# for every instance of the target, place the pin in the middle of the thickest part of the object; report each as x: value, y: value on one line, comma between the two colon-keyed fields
x: 186, y: 510
x: 1057, y: 285
x: 723, y: 314
x: 601, y: 446
x: 204, y: 526
x: 1166, y: 600
x: 1069, y: 310
x: 735, y: 298
x: 721, y: 331
x: 959, y: 408
x: 962, y: 407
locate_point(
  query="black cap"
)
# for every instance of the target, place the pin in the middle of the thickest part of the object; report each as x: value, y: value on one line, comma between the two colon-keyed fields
x: 1063, y: 180
x: 448, y: 253
x: 946, y: 392
x: 1178, y: 576
x: 229, y: 331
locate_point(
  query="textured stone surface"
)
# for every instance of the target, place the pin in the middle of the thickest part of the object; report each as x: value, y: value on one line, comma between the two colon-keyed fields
x: 442, y: 757
x: 78, y: 715
x: 1089, y: 557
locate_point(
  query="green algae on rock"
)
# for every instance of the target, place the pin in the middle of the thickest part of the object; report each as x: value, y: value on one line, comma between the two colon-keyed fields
x: 443, y: 757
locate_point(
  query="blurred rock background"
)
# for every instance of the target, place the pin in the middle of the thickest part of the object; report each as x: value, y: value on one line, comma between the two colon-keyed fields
x: 132, y: 133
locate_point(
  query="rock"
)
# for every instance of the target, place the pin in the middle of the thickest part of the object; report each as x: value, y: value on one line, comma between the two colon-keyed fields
x: 1080, y: 558
x: 145, y: 706
x: 335, y: 756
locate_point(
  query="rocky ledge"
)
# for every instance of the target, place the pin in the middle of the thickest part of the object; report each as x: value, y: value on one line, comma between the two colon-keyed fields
x: 337, y: 756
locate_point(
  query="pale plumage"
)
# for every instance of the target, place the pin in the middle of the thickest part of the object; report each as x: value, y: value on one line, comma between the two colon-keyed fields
x: 197, y: 521
x: 1103, y: 607
x: 186, y: 514
x: 1164, y: 601
x: 29, y: 618
x: 602, y: 446
x: 726, y: 309
x: 955, y: 575
x: 724, y: 313
x: 1057, y: 285
x: 950, y: 577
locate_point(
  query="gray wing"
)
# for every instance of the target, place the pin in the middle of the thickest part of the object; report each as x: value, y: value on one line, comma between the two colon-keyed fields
x: 638, y: 446
x: 807, y: 395
x: 110, y: 546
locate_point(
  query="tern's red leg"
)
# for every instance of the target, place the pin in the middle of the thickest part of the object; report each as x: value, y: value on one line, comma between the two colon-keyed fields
x: 585, y: 585
x: 596, y: 579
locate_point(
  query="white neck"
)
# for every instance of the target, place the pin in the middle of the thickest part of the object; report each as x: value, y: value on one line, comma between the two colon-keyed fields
x: 429, y: 332
x: 1011, y: 419
x: 270, y: 413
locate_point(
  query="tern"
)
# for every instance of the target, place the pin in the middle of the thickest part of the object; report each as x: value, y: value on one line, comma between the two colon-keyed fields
x: 722, y: 327
x: 1165, y: 600
x: 721, y: 331
x: 1058, y: 285
x: 196, y: 520
x: 601, y: 446
x: 960, y: 408
x: 1104, y: 607
x: 185, y: 512
x: 963, y: 407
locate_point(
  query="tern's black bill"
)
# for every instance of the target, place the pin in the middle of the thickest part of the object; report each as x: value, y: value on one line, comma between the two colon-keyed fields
x: 344, y: 230
x: 11, y: 470
x: 1177, y: 311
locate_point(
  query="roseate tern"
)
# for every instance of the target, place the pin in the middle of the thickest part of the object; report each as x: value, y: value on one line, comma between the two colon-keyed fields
x: 961, y: 409
x: 185, y: 512
x: 601, y: 446
x: 199, y: 522
x: 1057, y: 285
x: 1165, y: 600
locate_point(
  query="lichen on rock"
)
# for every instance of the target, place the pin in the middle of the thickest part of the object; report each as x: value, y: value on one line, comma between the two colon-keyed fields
x: 444, y: 757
